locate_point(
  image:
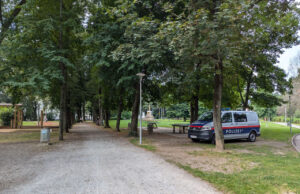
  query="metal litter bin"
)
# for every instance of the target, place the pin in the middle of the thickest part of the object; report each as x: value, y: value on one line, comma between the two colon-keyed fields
x: 150, y: 128
x: 45, y: 135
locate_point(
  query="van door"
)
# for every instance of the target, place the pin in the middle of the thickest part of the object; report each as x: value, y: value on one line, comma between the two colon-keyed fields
x: 240, y: 125
x: 253, y: 122
x: 227, y: 124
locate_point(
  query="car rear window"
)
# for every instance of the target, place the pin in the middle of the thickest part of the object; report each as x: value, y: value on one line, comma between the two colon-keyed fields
x: 251, y: 116
x: 240, y: 117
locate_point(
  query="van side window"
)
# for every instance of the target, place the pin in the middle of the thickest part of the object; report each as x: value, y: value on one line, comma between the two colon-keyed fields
x: 240, y: 117
x: 227, y: 118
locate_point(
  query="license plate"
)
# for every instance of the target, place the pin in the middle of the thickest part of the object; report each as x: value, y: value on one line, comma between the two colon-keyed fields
x: 193, y: 136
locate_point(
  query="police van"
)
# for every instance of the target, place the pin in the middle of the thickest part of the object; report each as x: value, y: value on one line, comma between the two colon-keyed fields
x: 235, y: 125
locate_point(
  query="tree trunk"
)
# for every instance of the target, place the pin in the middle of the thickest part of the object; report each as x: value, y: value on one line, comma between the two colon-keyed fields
x: 100, y: 113
x: 1, y: 18
x: 68, y: 112
x: 106, y: 115
x: 34, y: 111
x: 62, y: 123
x: 83, y: 110
x: 249, y: 81
x: 194, y: 108
x: 120, y: 109
x: 135, y: 111
x: 217, y: 106
x: 100, y: 109
x: 240, y: 91
x: 78, y: 113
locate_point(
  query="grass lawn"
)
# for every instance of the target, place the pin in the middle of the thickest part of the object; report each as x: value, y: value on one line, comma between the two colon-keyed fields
x: 269, y: 131
x: 146, y: 144
x: 276, y: 132
x: 263, y: 167
x: 29, y: 123
x: 34, y: 123
x: 272, y: 173
x: 24, y: 136
x: 160, y: 123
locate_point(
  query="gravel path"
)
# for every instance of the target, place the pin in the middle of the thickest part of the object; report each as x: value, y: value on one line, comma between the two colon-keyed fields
x: 97, y: 162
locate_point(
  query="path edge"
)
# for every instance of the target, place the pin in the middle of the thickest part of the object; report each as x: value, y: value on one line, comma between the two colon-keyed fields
x: 294, y: 143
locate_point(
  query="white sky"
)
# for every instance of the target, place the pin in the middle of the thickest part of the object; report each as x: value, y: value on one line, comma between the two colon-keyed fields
x: 284, y: 59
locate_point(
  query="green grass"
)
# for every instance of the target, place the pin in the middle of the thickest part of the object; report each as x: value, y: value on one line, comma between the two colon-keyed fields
x: 160, y: 123
x: 271, y: 174
x: 23, y: 136
x: 29, y: 123
x: 269, y: 131
x: 146, y: 144
x: 276, y: 132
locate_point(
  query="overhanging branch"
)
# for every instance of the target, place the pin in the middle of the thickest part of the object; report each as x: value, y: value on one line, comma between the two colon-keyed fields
x: 7, y: 23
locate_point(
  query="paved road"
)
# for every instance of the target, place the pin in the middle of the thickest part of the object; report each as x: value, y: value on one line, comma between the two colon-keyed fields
x: 98, y: 162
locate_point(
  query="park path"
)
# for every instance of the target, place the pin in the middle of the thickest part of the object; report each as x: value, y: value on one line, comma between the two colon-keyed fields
x: 96, y: 161
x: 296, y: 138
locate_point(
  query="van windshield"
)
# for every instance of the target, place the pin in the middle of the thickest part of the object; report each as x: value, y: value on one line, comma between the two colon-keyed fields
x: 208, y: 116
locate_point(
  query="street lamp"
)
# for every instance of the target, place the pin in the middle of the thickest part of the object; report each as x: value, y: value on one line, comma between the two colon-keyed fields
x: 141, y: 75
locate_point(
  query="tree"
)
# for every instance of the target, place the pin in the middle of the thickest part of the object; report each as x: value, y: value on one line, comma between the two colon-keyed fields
x: 32, y: 54
x: 6, y: 19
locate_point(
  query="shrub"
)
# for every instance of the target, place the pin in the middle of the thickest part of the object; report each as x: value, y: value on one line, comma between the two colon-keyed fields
x: 126, y: 115
x: 6, y: 115
x: 50, y: 116
x: 297, y: 113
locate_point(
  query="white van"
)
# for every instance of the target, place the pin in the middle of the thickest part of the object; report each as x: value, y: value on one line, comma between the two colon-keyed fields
x: 235, y: 124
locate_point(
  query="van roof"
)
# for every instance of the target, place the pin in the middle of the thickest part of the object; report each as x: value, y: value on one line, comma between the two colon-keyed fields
x: 236, y: 111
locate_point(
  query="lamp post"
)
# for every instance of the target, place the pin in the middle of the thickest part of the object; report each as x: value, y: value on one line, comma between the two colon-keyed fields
x: 290, y: 114
x: 141, y: 75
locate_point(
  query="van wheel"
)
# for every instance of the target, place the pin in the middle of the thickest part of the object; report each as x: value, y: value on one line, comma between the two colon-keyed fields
x: 252, y: 137
x: 195, y: 140
x: 213, y: 140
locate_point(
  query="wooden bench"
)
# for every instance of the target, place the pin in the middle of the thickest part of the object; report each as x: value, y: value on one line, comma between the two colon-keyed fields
x: 181, y: 127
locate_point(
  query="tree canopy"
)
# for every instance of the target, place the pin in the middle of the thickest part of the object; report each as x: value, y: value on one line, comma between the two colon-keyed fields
x: 215, y: 53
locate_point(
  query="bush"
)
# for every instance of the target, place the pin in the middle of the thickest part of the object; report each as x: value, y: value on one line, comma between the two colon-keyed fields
x: 126, y: 115
x: 6, y: 115
x: 297, y: 114
x: 50, y: 116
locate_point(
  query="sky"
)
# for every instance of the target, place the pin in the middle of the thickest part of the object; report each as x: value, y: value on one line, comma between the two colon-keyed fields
x: 284, y: 59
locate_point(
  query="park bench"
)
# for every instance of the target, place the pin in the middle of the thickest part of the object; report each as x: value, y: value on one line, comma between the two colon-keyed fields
x: 181, y: 127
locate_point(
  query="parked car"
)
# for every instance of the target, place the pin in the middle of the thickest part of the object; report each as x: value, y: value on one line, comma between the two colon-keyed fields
x: 235, y: 125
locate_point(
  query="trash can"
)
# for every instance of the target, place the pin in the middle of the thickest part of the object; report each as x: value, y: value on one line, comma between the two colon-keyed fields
x: 45, y: 135
x: 150, y: 128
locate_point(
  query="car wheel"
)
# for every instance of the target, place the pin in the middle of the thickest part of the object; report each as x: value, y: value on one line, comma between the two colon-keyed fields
x: 213, y: 140
x: 252, y: 137
x: 195, y: 140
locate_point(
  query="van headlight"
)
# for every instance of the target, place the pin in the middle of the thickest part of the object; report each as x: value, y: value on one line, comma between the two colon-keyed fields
x: 206, y: 128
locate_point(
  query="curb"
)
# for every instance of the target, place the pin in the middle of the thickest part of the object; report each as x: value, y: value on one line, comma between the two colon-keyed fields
x: 294, y: 143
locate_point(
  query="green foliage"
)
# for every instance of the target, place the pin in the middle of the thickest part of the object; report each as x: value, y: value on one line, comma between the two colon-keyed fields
x: 265, y: 112
x: 126, y: 115
x: 297, y: 113
x: 6, y: 115
x: 50, y: 116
